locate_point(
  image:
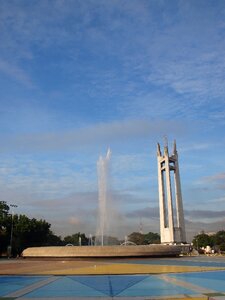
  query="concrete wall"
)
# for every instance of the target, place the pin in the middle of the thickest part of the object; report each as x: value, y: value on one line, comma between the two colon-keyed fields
x: 102, y: 251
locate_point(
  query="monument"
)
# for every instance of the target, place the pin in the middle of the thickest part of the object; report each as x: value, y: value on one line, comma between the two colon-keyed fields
x: 172, y: 228
x: 169, y: 233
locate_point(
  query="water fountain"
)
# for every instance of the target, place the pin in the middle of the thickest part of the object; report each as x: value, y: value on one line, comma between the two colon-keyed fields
x: 100, y: 249
x: 104, y: 198
x: 90, y: 240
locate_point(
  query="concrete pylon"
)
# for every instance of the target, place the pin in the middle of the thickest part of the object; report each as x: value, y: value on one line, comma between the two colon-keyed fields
x: 172, y: 227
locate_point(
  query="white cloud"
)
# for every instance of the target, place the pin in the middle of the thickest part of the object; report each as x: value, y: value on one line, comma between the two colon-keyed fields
x: 214, y: 181
x: 74, y: 221
x: 103, y: 133
x: 38, y: 178
x: 16, y: 73
x: 120, y: 74
x: 196, y: 147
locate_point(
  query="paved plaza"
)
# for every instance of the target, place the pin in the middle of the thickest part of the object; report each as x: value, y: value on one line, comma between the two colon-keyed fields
x: 183, y: 278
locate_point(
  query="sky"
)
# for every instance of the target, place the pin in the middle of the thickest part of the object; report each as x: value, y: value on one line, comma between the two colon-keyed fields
x: 78, y: 77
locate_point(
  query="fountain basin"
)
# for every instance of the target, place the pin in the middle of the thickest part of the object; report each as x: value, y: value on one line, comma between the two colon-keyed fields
x: 153, y: 250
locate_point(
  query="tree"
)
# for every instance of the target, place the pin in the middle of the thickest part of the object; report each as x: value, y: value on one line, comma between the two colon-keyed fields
x: 29, y: 233
x: 220, y: 237
x: 137, y: 238
x: 75, y: 239
x: 54, y: 240
x: 151, y: 238
x: 202, y: 240
x: 4, y: 226
x: 4, y: 215
x: 144, y: 239
x: 26, y: 232
x: 4, y: 211
x: 111, y: 240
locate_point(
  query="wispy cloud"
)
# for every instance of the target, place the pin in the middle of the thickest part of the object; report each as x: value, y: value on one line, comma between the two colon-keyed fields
x: 196, y: 227
x: 166, y: 56
x: 35, y: 179
x: 205, y: 214
x: 146, y: 212
x: 197, y: 147
x: 16, y: 73
x: 103, y: 133
x: 217, y: 180
x: 79, y: 76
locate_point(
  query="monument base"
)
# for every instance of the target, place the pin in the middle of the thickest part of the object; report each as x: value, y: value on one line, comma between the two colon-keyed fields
x: 154, y: 250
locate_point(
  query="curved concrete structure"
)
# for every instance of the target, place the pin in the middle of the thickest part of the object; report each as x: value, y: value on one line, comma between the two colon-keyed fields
x: 102, y: 251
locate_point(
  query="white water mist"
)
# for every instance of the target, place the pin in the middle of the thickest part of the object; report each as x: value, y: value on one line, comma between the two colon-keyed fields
x: 104, y: 198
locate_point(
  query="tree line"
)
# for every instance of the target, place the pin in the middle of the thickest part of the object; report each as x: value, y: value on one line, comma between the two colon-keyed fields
x: 18, y: 232
x: 216, y: 241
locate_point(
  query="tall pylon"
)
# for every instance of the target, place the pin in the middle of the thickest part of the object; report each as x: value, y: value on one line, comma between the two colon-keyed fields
x: 172, y: 227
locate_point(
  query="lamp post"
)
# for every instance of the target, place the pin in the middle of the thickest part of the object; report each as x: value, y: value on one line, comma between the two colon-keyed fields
x: 11, y: 234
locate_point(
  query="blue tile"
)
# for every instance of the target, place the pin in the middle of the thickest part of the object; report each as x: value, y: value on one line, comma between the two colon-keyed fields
x: 212, y: 280
x: 152, y: 286
x: 112, y: 285
x: 109, y: 285
x: 98, y: 283
x: 120, y: 283
x: 64, y: 287
x: 9, y: 284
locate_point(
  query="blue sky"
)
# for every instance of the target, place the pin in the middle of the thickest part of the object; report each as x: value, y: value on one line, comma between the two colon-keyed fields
x: 77, y: 77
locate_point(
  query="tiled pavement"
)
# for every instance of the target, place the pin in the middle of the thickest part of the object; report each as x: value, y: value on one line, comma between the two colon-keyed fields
x: 208, y: 284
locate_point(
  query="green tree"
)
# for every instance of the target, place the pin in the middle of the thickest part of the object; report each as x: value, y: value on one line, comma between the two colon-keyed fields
x: 26, y: 232
x: 54, y: 240
x: 137, y: 238
x: 151, y: 238
x: 75, y: 238
x: 111, y: 240
x: 4, y: 211
x: 144, y: 239
x: 29, y: 233
x: 220, y: 237
x: 203, y: 240
x: 219, y: 240
x: 4, y: 226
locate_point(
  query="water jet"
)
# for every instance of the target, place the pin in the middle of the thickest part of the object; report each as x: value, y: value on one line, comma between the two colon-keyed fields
x: 100, y: 249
